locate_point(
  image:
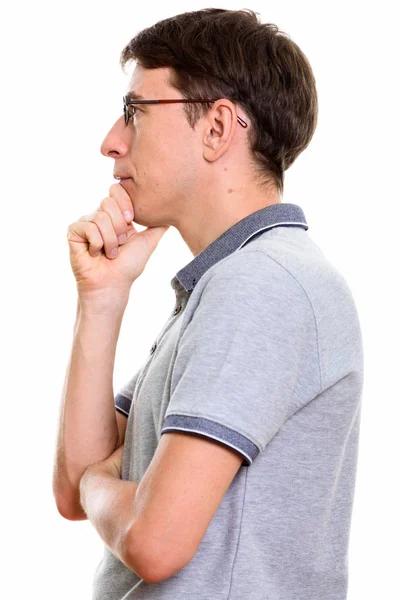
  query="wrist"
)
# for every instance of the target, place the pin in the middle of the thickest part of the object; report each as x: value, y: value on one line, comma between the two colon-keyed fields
x: 104, y: 467
x: 110, y: 302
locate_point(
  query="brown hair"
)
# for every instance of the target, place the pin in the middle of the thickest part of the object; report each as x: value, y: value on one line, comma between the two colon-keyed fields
x: 218, y: 53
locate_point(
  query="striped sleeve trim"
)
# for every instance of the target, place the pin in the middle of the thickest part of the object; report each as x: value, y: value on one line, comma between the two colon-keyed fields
x: 214, y: 431
x: 122, y: 404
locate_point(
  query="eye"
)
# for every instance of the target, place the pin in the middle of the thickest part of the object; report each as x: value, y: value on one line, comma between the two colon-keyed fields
x: 131, y: 111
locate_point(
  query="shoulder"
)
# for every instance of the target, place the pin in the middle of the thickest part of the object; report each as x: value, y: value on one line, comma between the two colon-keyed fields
x: 254, y: 274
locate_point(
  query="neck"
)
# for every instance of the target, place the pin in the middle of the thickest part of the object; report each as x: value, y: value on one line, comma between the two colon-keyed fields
x: 211, y: 214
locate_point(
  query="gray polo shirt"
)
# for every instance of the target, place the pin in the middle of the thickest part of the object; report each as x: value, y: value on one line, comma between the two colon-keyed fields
x: 262, y: 352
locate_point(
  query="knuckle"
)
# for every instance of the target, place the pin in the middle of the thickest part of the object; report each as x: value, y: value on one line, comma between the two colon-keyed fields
x: 101, y: 217
x: 91, y: 227
x: 105, y: 202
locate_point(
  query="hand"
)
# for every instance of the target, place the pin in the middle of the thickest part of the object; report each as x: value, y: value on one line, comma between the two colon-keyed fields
x: 92, y: 238
x: 115, y: 461
x: 111, y: 465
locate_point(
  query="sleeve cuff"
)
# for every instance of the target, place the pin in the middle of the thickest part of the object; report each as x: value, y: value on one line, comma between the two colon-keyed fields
x: 122, y: 404
x: 214, y: 431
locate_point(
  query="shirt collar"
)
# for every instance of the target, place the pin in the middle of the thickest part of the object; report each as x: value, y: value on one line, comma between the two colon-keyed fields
x: 274, y: 215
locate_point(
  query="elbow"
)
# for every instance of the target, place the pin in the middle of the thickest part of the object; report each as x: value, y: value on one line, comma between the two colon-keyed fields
x: 68, y: 502
x: 71, y: 511
x: 146, y: 559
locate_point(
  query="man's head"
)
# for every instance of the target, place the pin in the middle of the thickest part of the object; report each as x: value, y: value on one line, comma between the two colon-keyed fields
x: 175, y: 152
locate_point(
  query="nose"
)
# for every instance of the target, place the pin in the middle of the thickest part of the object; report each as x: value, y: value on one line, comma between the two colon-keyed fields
x: 117, y: 140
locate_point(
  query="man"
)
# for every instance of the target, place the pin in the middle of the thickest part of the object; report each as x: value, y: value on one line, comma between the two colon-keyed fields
x: 225, y: 467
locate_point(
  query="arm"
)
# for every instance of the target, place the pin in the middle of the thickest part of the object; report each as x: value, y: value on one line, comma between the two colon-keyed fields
x: 156, y: 527
x: 110, y: 506
x: 87, y: 428
x: 108, y: 502
x: 175, y: 503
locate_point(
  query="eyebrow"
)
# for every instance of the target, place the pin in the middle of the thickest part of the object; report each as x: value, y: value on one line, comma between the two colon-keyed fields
x: 134, y: 96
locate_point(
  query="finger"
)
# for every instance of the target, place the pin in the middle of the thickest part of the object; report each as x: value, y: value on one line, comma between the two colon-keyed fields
x: 153, y: 235
x: 111, y: 207
x: 104, y: 223
x: 123, y: 199
x: 84, y: 232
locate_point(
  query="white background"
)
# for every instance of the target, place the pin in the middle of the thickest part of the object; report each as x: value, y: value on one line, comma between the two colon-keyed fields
x: 62, y: 90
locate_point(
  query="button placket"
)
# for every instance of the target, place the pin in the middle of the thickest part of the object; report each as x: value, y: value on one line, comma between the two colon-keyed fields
x: 167, y: 327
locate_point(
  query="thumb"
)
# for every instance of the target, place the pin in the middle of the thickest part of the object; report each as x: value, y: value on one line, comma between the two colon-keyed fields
x: 153, y: 235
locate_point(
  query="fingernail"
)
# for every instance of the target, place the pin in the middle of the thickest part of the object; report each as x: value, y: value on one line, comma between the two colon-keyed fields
x: 122, y: 238
x: 113, y: 252
x: 128, y: 215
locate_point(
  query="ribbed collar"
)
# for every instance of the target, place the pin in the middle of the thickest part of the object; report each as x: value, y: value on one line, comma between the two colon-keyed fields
x: 274, y: 215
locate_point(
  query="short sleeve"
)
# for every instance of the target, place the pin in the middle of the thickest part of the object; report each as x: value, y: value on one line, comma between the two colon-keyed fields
x: 123, y: 399
x: 246, y: 359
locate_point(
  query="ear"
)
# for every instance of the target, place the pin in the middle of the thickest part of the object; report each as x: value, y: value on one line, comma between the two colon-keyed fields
x: 220, y: 128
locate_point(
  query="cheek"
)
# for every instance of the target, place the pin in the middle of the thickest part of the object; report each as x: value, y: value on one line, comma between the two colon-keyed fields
x: 166, y: 157
x: 189, y: 164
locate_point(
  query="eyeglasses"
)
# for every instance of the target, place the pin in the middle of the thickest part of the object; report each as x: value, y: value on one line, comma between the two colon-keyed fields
x: 128, y: 113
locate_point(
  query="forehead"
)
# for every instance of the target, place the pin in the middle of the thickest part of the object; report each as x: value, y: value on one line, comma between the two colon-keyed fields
x: 146, y: 84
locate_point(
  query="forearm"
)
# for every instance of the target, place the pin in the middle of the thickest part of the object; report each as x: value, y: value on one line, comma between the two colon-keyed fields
x: 109, y: 504
x: 87, y: 429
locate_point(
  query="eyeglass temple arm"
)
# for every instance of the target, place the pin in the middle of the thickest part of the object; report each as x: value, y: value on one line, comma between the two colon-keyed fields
x: 243, y: 123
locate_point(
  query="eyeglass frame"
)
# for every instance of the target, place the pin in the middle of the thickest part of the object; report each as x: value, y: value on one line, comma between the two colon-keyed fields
x: 131, y: 102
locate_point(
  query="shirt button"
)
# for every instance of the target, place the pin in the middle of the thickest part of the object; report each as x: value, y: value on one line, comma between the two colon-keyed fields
x: 177, y: 310
x: 153, y: 348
